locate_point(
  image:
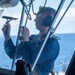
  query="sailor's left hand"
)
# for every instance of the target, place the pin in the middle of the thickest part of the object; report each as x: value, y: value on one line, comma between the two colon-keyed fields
x: 25, y: 34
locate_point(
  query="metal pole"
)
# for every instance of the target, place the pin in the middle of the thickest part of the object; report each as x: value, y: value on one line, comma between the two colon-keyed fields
x: 21, y: 22
x: 64, y: 14
x: 58, y: 11
x: 62, y: 17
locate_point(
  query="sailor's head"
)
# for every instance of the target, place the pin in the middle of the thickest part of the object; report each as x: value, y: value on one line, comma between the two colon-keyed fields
x: 45, y: 17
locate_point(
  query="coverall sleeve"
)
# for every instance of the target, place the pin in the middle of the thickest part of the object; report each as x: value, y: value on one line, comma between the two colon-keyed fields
x: 10, y: 49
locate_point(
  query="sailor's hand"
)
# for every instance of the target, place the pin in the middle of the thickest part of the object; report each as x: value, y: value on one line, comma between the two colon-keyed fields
x: 25, y: 34
x: 6, y: 31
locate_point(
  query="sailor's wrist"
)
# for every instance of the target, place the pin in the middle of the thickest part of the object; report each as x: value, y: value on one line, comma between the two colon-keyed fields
x: 7, y: 38
x: 26, y: 39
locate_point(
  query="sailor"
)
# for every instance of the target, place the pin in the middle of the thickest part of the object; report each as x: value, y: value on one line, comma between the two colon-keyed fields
x: 29, y: 48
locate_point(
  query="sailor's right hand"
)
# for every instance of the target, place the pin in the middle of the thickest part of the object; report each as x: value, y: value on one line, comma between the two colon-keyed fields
x: 6, y: 31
